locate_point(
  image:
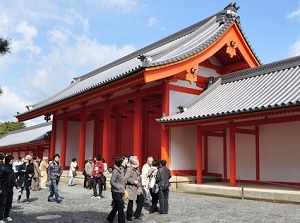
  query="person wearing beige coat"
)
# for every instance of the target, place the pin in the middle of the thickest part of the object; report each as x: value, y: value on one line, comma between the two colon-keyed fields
x: 44, y: 167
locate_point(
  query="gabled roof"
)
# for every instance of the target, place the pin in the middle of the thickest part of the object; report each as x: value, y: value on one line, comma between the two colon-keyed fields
x: 175, y: 47
x: 267, y: 87
x: 27, y: 135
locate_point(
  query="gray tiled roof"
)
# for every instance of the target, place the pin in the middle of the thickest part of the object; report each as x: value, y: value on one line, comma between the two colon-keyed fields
x: 271, y: 86
x: 26, y: 135
x: 178, y: 46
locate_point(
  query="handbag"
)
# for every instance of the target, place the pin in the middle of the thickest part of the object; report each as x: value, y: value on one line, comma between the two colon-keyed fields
x: 125, y: 195
x: 155, y: 188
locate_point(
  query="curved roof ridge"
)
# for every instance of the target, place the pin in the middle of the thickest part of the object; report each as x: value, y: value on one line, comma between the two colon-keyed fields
x: 152, y: 46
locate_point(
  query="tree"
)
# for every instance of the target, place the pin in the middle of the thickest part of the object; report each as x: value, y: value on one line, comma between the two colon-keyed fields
x: 7, y: 127
x: 4, y: 49
x: 4, y: 46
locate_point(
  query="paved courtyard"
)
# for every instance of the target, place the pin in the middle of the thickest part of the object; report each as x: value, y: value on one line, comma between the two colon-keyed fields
x: 78, y: 207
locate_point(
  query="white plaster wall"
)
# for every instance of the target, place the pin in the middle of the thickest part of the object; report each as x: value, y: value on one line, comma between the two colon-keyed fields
x: 280, y: 152
x: 245, y: 157
x: 215, y: 154
x: 183, y: 147
x: 89, y: 139
x: 58, y: 137
x: 187, y: 84
x: 179, y: 99
x: 207, y: 72
x: 73, y: 133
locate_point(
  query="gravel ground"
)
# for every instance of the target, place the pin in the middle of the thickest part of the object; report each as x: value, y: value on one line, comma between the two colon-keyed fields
x: 78, y: 207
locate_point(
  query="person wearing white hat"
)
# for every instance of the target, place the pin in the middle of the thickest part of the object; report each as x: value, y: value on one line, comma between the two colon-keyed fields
x: 25, y: 174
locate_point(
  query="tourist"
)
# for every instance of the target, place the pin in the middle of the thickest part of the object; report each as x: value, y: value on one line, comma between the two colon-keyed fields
x: 96, y: 176
x: 104, y: 175
x: 145, y: 179
x: 89, y: 166
x: 117, y: 182
x: 16, y: 165
x: 25, y: 174
x: 152, y: 172
x: 36, y: 175
x: 44, y: 167
x: 72, y: 171
x: 162, y: 178
x: 134, y: 188
x: 7, y: 182
x: 54, y: 173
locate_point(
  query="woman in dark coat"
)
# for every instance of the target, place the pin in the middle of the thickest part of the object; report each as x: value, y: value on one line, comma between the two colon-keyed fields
x: 25, y: 174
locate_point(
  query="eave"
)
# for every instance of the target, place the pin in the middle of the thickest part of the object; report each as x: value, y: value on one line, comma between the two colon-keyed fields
x: 288, y: 114
x: 102, y: 91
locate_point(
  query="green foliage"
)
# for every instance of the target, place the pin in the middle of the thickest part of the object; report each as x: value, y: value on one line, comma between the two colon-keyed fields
x: 4, y: 46
x: 7, y: 127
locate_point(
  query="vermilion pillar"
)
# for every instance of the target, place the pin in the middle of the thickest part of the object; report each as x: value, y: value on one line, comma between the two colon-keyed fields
x: 82, y: 139
x: 199, y: 156
x: 232, y: 157
x: 224, y: 155
x: 63, y: 146
x: 137, y: 130
x: 165, y: 131
x: 257, y: 153
x: 53, y: 137
x: 106, y: 130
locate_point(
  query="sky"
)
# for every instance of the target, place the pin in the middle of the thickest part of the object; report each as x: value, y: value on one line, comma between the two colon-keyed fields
x: 53, y: 41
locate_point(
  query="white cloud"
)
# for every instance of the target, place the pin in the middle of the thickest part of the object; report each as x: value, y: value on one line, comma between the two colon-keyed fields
x: 28, y: 33
x: 10, y: 104
x: 295, y: 14
x: 124, y: 5
x: 295, y: 48
x: 152, y: 22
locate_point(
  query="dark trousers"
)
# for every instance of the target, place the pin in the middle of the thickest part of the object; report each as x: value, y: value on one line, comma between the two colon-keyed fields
x: 104, y: 183
x: 97, y: 180
x: 163, y: 196
x: 139, y: 206
x: 153, y: 207
x: 89, y: 182
x: 118, y: 206
x: 5, y: 204
x: 26, y: 188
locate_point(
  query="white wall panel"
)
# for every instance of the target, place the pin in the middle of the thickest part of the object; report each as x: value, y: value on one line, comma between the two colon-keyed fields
x: 245, y: 157
x: 89, y: 140
x: 72, y: 141
x: 280, y: 152
x: 183, y: 148
x: 215, y: 154
x: 58, y: 137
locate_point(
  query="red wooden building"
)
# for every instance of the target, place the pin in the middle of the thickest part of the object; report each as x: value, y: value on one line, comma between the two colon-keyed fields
x: 171, y: 100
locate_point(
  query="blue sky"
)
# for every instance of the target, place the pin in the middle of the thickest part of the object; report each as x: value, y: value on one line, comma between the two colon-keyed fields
x: 56, y: 40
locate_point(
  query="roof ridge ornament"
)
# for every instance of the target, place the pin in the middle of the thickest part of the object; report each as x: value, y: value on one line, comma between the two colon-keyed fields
x: 146, y: 60
x: 230, y: 11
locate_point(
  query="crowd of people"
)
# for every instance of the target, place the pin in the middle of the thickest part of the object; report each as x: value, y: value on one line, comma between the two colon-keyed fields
x: 149, y: 184
x: 145, y: 187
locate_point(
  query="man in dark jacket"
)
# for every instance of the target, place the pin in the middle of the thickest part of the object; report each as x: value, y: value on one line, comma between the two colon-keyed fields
x: 7, y: 182
x: 54, y: 173
x: 162, y: 178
